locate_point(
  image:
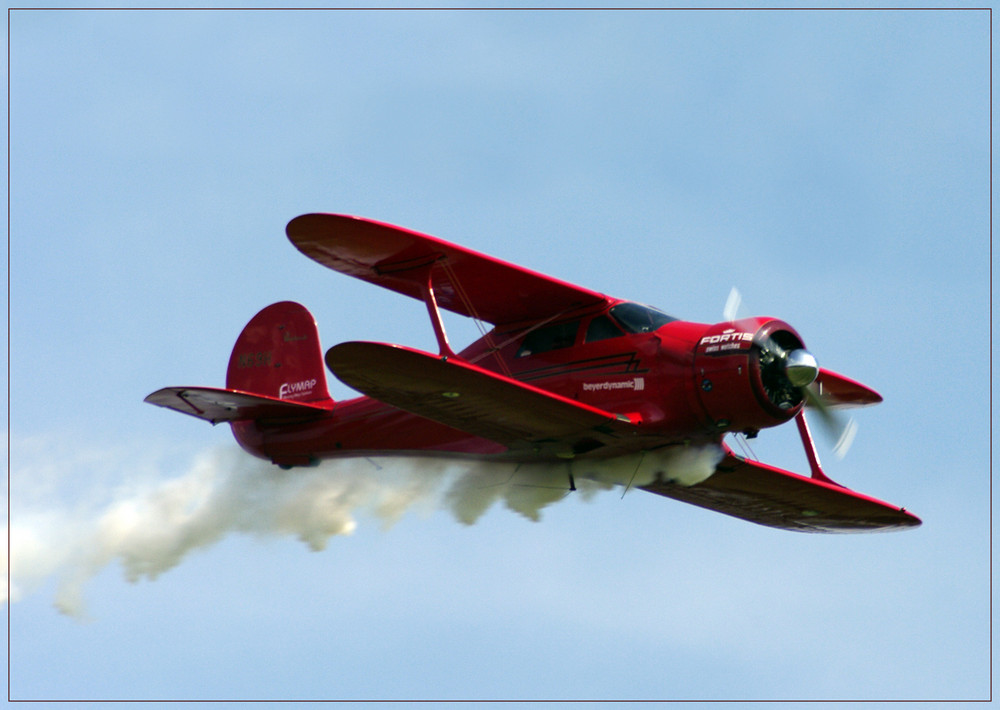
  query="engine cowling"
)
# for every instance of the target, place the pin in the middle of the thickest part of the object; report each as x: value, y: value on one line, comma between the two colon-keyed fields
x: 750, y: 374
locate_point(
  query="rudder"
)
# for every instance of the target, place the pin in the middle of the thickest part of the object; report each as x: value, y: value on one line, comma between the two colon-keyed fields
x: 278, y: 354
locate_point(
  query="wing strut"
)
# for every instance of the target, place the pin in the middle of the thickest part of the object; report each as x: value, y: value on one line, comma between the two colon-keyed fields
x: 810, y: 446
x: 435, y: 314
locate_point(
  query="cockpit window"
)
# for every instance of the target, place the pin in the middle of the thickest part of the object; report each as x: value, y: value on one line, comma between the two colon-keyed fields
x: 549, y: 337
x: 636, y: 318
x: 602, y: 328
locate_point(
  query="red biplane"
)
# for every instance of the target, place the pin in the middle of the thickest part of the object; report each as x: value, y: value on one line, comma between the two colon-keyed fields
x: 566, y: 374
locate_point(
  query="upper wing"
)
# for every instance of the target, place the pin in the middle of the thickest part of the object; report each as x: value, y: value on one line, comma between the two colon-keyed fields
x: 837, y: 391
x: 771, y: 496
x: 475, y: 400
x: 464, y: 281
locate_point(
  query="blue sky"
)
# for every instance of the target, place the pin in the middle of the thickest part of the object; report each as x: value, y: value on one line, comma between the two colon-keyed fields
x: 833, y: 165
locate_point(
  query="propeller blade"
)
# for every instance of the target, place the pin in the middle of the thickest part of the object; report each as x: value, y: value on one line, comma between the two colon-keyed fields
x: 843, y: 444
x: 732, y: 307
x: 839, y: 430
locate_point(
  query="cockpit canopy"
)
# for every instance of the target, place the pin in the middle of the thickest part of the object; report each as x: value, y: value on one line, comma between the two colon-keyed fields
x: 637, y: 318
x: 622, y: 319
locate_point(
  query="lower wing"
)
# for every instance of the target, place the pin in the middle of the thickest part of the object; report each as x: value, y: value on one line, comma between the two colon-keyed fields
x: 533, y: 421
x: 770, y: 496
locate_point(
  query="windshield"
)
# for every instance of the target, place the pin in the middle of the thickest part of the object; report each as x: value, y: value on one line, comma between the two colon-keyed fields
x: 636, y: 318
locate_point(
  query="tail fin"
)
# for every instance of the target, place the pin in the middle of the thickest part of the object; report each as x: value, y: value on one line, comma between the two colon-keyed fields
x: 278, y: 355
x: 276, y: 372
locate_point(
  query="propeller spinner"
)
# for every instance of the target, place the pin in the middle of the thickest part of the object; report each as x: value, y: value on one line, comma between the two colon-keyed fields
x: 789, y: 371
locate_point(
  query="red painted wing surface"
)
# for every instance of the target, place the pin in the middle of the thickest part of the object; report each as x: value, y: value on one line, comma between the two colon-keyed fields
x: 464, y: 281
x: 771, y: 496
x: 474, y: 400
x: 837, y: 391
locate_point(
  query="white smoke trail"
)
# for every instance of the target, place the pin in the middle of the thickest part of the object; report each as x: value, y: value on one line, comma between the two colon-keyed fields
x: 149, y: 526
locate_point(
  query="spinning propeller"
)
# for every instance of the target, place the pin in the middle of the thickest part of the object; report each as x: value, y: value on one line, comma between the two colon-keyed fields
x: 791, y: 373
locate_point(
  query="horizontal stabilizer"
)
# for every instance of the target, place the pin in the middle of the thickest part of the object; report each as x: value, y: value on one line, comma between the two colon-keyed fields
x: 771, y: 496
x: 226, y: 405
x: 474, y: 400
